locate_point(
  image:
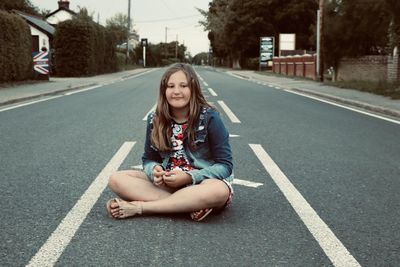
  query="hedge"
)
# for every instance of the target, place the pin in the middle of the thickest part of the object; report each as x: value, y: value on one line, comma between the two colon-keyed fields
x: 83, y: 48
x: 15, y: 48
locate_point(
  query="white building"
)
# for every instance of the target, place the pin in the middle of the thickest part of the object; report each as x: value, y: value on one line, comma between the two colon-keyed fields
x: 41, y: 31
x: 63, y: 13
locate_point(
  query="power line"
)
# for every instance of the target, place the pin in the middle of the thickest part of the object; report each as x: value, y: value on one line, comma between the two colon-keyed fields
x: 169, y: 19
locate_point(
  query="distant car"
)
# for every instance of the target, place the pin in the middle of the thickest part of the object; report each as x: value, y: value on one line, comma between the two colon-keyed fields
x: 123, y: 47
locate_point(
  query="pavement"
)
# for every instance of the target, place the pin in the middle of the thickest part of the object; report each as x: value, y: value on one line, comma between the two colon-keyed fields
x: 362, y: 100
x: 349, y: 97
x: 30, y: 90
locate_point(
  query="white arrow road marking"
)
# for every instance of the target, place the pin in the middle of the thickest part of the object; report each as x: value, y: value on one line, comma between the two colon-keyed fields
x: 60, y: 238
x: 235, y: 181
x: 246, y: 183
x: 137, y: 167
x: 331, y: 245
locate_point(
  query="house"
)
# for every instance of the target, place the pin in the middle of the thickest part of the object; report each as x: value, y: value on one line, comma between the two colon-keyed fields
x: 41, y: 31
x: 63, y: 13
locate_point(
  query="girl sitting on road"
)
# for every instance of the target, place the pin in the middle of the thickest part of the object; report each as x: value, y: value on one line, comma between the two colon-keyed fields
x: 187, y: 158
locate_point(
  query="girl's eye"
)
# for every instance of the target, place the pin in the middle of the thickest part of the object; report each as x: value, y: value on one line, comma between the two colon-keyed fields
x: 170, y: 86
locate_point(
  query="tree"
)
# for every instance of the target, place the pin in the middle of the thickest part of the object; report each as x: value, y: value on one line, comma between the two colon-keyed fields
x: 21, y: 5
x: 393, y: 8
x: 354, y: 28
x: 118, y: 25
x: 235, y: 26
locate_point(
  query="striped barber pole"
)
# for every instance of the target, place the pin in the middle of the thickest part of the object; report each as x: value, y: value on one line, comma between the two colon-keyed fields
x: 41, y: 62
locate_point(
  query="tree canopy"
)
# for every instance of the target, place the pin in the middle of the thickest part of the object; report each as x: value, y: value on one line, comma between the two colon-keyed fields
x: 235, y: 26
x: 21, y: 5
x: 351, y: 27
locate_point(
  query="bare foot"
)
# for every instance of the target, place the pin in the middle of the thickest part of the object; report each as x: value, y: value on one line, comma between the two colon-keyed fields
x: 119, y: 209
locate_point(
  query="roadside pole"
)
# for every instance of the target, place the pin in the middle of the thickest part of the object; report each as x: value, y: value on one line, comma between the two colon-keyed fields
x: 320, y: 42
x: 143, y: 42
x: 128, y: 29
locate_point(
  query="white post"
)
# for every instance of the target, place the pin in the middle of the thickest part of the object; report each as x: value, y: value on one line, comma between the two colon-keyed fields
x: 144, y: 56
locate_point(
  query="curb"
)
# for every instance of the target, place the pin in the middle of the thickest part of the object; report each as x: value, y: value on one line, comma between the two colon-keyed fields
x: 354, y: 103
x: 365, y: 106
x: 16, y: 100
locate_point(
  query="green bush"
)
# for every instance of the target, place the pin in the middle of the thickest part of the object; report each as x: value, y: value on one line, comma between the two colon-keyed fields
x: 83, y: 48
x: 15, y: 48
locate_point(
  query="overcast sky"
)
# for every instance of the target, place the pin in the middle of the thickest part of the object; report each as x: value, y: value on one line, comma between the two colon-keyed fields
x: 150, y: 17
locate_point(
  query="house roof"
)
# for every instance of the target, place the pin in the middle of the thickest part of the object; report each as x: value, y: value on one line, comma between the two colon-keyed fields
x: 59, y: 9
x: 37, y: 22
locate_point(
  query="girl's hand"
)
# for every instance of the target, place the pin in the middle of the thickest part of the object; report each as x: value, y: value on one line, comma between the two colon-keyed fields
x: 176, y: 178
x: 158, y: 174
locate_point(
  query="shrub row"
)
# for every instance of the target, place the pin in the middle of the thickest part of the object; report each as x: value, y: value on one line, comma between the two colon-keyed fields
x: 15, y: 48
x: 83, y: 48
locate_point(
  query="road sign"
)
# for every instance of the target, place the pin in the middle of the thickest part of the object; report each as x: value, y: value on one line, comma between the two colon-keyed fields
x: 266, y: 50
x: 41, y: 62
x: 143, y: 42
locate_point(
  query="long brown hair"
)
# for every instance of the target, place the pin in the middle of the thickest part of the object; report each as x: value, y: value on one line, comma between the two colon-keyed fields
x: 161, y: 132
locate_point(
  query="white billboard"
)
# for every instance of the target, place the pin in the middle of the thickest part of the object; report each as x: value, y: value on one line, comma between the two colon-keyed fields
x: 287, y: 41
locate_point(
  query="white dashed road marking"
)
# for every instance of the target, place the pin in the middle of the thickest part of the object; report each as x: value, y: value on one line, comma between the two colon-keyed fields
x: 60, y: 238
x: 212, y: 92
x: 331, y: 245
x: 228, y: 112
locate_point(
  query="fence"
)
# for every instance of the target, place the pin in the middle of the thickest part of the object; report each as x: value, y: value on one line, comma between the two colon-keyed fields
x: 301, y: 66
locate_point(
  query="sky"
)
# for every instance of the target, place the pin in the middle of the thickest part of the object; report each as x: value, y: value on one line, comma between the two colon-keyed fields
x: 150, y: 18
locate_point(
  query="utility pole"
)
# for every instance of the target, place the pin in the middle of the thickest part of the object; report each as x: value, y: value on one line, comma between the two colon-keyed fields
x: 166, y: 29
x: 176, y: 48
x: 128, y: 33
x: 321, y: 41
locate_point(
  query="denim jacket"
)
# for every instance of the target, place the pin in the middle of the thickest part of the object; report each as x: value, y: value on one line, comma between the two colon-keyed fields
x: 212, y: 157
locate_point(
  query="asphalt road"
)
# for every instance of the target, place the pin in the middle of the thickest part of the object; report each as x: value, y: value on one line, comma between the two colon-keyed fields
x: 322, y: 182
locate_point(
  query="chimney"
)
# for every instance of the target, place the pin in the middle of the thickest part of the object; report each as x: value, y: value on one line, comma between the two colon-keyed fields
x: 63, y: 4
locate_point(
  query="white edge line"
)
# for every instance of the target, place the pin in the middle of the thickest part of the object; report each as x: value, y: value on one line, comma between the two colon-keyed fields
x: 331, y: 245
x: 52, y: 249
x: 206, y: 84
x: 137, y: 75
x: 342, y: 106
x: 236, y: 76
x: 83, y: 90
x: 30, y: 103
x: 228, y: 112
x: 151, y: 110
x: 212, y: 92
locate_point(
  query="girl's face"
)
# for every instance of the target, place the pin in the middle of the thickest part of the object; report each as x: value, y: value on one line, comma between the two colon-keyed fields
x: 178, y: 91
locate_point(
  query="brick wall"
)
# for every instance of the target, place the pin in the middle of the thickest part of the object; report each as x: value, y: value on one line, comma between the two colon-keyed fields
x: 366, y: 68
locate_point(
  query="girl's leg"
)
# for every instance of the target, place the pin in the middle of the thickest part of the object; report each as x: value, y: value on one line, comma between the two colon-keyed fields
x: 133, y: 185
x: 211, y: 193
